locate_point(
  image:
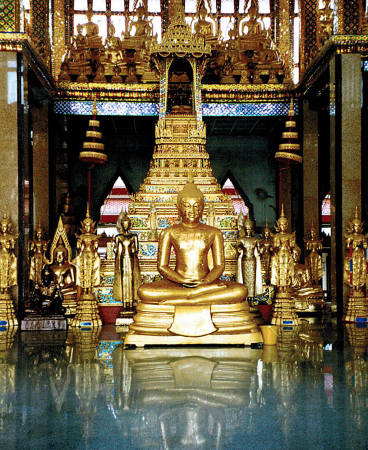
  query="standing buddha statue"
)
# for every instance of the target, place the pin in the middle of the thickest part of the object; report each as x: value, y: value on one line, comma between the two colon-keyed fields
x: 313, y: 260
x: 249, y: 265
x: 8, y: 272
x: 355, y: 270
x: 265, y: 246
x: 127, y: 277
x: 88, y: 261
x: 285, y: 254
x: 8, y: 260
x: 37, y: 254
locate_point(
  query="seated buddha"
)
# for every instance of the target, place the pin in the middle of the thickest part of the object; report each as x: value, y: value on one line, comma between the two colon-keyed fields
x: 191, y: 301
x: 65, y: 275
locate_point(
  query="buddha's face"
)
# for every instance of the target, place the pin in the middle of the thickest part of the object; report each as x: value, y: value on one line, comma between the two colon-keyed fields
x: 357, y: 227
x: 313, y: 233
x: 38, y: 235
x: 267, y: 234
x: 248, y: 230
x: 125, y: 224
x: 60, y: 257
x: 283, y: 226
x: 191, y: 209
x: 4, y: 227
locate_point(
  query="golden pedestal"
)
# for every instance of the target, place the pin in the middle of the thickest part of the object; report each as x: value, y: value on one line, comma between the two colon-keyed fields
x: 70, y: 304
x: 357, y: 308
x: 226, y: 324
x: 7, y: 312
x: 284, y: 310
x: 87, y: 314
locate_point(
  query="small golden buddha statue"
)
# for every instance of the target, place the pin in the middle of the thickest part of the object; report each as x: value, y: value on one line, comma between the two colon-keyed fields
x: 139, y: 32
x: 191, y: 304
x: 249, y: 264
x: 8, y: 260
x: 94, y: 41
x: 88, y: 260
x: 37, y: 255
x: 285, y: 253
x: 283, y: 273
x: 64, y: 273
x: 127, y: 276
x: 355, y: 270
x: 265, y: 249
x: 313, y: 260
x: 204, y: 27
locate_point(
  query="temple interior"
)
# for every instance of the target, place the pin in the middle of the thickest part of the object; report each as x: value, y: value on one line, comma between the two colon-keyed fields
x: 183, y: 247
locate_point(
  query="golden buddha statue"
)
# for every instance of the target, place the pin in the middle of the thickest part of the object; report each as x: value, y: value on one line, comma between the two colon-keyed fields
x: 191, y: 304
x: 87, y: 261
x: 265, y: 246
x: 205, y: 28
x: 113, y: 46
x: 139, y: 32
x: 152, y: 220
x: 285, y: 253
x: 37, y: 255
x: 94, y: 41
x: 127, y: 277
x: 252, y: 26
x: 64, y: 273
x: 249, y: 264
x: 8, y: 260
x: 355, y: 270
x: 313, y: 260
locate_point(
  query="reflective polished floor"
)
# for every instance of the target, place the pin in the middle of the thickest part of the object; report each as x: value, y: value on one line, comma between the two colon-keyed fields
x: 82, y: 390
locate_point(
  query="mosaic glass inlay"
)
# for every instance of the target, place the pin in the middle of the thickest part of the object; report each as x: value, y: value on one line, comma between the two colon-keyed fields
x: 152, y: 109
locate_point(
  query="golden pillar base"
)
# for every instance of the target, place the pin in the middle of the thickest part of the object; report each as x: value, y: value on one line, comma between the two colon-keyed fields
x: 157, y: 324
x: 7, y: 312
x: 284, y: 310
x: 87, y: 314
x: 357, y: 308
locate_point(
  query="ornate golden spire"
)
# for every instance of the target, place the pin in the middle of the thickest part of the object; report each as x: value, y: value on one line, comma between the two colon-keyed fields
x: 289, y: 147
x: 93, y: 147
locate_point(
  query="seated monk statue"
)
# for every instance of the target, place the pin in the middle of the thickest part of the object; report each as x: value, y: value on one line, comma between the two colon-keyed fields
x: 192, y: 293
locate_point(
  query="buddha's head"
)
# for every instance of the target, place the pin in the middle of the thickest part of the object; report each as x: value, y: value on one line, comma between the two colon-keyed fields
x: 266, y: 231
x: 190, y: 203
x: 38, y: 233
x: 5, y: 224
x: 124, y: 222
x: 60, y: 254
x: 282, y: 223
x: 356, y: 224
x: 248, y: 227
x: 313, y: 232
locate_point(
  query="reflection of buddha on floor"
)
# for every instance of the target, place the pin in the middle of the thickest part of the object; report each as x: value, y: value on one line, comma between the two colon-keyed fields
x: 191, y: 300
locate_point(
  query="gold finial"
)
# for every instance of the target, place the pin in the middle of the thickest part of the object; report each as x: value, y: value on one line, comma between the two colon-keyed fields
x: 94, y: 109
x: 356, y: 214
x: 87, y: 212
x: 291, y: 107
x: 282, y: 210
x: 190, y: 176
